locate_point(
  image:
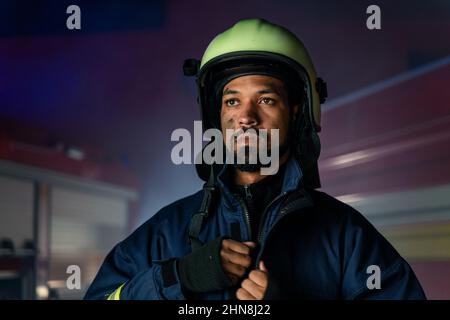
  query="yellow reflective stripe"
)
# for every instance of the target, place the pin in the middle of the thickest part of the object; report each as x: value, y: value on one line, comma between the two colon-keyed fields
x: 116, y: 294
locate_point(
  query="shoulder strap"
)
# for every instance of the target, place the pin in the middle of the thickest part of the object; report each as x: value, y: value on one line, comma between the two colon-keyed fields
x: 197, y: 218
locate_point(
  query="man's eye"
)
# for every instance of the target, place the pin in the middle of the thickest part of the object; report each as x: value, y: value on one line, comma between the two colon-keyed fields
x: 268, y: 101
x: 231, y: 102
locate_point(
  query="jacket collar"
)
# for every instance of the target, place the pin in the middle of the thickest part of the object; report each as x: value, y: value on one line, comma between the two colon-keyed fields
x: 291, y: 181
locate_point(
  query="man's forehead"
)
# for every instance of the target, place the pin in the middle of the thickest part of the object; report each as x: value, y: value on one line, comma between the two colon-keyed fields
x: 255, y: 83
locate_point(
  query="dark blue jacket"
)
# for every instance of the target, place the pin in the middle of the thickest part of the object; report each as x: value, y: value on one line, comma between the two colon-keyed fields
x: 314, y: 247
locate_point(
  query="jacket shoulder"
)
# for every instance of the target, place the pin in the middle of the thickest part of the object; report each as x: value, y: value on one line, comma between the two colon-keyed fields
x: 175, y: 212
x: 334, y: 212
x: 168, y: 222
x: 185, y: 207
x: 353, y: 225
x: 328, y: 204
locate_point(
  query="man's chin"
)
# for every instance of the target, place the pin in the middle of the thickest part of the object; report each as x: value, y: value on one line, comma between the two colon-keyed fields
x: 244, y: 164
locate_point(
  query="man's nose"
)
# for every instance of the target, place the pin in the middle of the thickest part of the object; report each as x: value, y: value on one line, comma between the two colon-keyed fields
x: 248, y: 116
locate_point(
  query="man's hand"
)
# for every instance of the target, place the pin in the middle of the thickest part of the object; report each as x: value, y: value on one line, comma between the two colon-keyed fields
x: 235, y: 258
x: 255, y: 286
x: 217, y: 265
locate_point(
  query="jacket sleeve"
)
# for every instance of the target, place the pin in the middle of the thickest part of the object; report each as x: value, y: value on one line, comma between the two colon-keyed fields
x: 129, y: 273
x: 373, y: 269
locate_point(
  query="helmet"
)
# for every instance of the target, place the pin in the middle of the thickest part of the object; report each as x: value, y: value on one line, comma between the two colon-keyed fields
x: 256, y: 46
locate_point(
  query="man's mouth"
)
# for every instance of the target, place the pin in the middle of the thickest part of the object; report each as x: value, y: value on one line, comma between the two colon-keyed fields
x: 247, y: 139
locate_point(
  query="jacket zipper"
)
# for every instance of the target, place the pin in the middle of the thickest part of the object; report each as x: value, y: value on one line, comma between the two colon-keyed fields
x: 248, y: 194
x: 263, y: 217
x: 283, y: 213
x: 246, y: 216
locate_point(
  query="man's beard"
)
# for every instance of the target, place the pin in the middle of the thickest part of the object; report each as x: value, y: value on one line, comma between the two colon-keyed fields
x: 253, y: 167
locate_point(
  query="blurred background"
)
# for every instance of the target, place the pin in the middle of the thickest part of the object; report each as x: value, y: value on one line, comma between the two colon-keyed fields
x: 86, y: 117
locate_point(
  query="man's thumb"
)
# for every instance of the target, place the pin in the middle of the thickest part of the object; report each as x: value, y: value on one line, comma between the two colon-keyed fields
x: 262, y: 266
x: 250, y: 244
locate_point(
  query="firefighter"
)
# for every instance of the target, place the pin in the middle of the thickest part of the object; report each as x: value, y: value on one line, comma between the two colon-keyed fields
x: 247, y: 235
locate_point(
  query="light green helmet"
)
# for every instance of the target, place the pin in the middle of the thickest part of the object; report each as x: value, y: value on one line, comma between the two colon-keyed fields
x: 259, y: 37
x: 256, y: 46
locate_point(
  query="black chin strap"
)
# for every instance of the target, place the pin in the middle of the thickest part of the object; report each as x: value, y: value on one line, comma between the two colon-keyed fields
x: 197, y: 218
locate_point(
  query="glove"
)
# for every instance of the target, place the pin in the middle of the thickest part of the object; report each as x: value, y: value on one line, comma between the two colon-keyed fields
x: 202, y: 271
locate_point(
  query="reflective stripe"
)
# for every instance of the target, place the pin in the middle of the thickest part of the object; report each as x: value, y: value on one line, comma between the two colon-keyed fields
x: 116, y: 294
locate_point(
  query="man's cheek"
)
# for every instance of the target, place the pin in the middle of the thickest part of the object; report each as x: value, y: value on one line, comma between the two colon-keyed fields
x: 226, y: 120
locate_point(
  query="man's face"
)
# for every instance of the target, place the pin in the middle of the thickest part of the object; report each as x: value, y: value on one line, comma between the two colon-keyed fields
x: 257, y: 102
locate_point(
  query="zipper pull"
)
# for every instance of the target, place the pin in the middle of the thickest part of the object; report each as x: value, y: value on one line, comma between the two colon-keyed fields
x: 248, y: 194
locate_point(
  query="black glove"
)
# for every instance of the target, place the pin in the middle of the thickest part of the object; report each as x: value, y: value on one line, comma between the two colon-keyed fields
x: 202, y: 271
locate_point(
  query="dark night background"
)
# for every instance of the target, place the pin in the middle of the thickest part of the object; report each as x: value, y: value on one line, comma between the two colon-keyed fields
x: 117, y: 84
